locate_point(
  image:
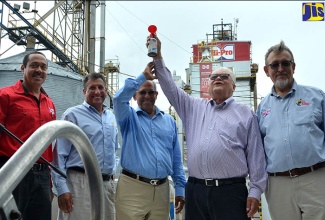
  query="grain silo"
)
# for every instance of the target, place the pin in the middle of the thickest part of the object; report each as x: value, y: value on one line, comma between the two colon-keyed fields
x: 63, y: 86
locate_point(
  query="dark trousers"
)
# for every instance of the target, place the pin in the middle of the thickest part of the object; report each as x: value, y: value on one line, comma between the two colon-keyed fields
x: 32, y: 195
x: 226, y: 202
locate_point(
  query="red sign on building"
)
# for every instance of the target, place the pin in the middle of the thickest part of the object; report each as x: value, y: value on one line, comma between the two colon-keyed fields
x: 225, y: 51
x: 205, y: 71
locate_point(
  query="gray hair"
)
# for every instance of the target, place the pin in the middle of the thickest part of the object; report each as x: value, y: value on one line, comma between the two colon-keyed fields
x: 232, y: 75
x: 278, y: 48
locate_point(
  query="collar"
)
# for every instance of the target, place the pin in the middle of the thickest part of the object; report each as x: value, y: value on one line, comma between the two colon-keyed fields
x: 158, y: 111
x: 20, y: 88
x: 91, y: 107
x: 222, y: 105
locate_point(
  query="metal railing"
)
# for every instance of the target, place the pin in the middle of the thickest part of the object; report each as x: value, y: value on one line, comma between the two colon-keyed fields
x: 23, y: 160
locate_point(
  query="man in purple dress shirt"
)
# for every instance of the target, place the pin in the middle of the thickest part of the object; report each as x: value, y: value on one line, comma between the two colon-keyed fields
x: 224, y: 147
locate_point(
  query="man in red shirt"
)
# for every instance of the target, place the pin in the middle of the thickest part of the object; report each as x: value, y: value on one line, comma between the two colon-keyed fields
x: 24, y: 107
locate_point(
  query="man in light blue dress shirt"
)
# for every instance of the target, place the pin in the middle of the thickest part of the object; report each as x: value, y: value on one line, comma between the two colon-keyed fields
x: 224, y: 146
x: 150, y: 153
x: 291, y: 120
x: 99, y: 124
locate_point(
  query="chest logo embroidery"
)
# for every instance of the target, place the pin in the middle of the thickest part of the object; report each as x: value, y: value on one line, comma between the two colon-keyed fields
x: 301, y: 102
x: 266, y: 112
x: 52, y: 112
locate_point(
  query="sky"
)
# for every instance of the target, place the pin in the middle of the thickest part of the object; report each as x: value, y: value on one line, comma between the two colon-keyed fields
x: 184, y: 23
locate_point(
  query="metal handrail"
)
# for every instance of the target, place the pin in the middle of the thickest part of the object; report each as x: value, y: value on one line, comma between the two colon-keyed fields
x: 22, y: 161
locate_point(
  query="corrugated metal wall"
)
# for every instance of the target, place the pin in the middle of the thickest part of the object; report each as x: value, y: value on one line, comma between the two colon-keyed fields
x: 65, y: 92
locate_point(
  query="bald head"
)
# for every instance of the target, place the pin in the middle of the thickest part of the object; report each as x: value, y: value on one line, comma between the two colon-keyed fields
x: 226, y: 70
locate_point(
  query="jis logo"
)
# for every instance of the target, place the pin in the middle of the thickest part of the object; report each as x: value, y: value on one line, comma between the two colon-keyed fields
x: 313, y: 11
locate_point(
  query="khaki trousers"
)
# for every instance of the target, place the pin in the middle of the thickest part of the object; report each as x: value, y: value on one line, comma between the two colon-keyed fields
x: 297, y: 198
x: 79, y: 187
x: 136, y: 200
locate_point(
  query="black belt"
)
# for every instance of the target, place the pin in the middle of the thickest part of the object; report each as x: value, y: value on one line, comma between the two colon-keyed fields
x: 216, y: 182
x: 154, y: 182
x: 106, y: 177
x: 299, y: 171
x: 35, y: 167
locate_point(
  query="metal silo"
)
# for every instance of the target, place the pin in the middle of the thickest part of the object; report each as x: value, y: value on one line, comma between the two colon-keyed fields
x: 63, y: 86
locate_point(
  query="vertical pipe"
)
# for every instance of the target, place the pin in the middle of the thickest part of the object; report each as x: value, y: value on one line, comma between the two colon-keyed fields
x: 86, y: 37
x: 102, y: 37
x: 255, y: 94
x: 1, y: 23
x: 92, y: 36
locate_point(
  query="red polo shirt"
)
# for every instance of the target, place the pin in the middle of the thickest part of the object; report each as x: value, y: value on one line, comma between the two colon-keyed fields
x: 22, y: 114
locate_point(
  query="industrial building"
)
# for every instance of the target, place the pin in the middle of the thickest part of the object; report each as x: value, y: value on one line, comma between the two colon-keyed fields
x: 222, y: 49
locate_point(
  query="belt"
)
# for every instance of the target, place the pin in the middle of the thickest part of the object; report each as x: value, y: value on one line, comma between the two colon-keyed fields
x: 35, y: 167
x: 299, y: 171
x: 216, y: 182
x: 106, y: 177
x: 154, y: 182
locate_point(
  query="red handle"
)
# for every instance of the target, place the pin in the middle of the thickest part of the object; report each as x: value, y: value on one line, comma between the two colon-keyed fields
x: 152, y: 29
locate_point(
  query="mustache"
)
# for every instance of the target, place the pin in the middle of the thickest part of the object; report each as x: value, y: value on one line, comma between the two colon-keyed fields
x: 37, y: 74
x: 282, y: 74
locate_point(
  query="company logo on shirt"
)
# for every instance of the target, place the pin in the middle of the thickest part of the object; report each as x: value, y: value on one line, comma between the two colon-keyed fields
x: 313, y: 11
x: 52, y: 112
x: 301, y: 102
x: 266, y: 112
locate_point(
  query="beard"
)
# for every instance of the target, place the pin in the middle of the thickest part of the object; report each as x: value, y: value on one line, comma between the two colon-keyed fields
x: 281, y: 83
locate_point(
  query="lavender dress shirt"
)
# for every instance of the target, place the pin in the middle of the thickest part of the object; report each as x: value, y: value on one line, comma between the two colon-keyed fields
x: 223, y: 141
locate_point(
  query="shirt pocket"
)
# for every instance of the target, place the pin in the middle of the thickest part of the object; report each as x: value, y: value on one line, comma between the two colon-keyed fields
x: 110, y: 131
x: 17, y: 113
x: 166, y: 137
x: 24, y: 118
x: 303, y: 115
x: 228, y: 128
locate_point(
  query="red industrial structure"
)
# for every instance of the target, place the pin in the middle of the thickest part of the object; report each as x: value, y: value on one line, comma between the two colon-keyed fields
x: 223, y: 49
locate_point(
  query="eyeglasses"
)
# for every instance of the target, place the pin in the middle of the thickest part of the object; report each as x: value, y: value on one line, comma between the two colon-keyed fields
x: 145, y: 92
x: 223, y: 76
x: 284, y: 64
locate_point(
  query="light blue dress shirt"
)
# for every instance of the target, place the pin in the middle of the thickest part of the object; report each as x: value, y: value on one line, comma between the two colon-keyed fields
x: 102, y: 132
x: 223, y: 141
x: 150, y: 145
x: 292, y: 128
